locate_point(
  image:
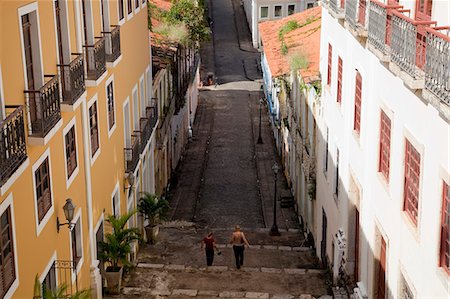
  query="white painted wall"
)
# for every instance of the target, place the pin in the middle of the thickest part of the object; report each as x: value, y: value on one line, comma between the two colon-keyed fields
x: 411, y: 251
x: 252, y: 11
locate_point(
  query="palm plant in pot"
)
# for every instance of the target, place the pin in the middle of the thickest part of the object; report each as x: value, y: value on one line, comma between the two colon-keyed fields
x: 115, y: 249
x: 152, y: 207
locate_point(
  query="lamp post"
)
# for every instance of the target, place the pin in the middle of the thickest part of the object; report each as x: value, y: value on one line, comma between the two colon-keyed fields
x: 260, y: 108
x: 274, y: 229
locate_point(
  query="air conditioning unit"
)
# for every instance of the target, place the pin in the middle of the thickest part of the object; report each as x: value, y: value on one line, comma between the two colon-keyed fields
x: 360, y: 291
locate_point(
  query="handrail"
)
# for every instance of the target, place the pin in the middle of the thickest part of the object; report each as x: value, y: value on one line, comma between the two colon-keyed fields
x: 48, y: 83
x: 399, y: 14
x: 387, y: 6
x: 434, y: 31
x: 17, y: 110
x: 72, y: 61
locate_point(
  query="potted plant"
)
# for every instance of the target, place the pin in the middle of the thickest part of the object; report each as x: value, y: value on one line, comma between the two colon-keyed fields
x: 152, y: 207
x: 115, y: 249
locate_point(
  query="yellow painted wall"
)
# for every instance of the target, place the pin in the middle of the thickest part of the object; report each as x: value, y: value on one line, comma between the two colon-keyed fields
x: 34, y: 252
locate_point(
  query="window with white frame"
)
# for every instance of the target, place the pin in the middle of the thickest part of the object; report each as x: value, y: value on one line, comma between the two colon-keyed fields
x: 148, y: 87
x: 121, y: 8
x: 71, y: 151
x: 93, y: 127
x: 291, y: 9
x: 76, y: 242
x: 49, y: 282
x: 142, y: 95
x: 129, y: 7
x: 43, y: 189
x: 116, y: 203
x: 7, y: 258
x: 110, y: 103
x: 135, y: 109
x: 277, y: 11
x: 31, y: 50
x: 264, y: 12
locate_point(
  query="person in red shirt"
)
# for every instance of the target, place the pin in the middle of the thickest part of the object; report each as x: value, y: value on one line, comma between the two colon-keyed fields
x: 209, y: 244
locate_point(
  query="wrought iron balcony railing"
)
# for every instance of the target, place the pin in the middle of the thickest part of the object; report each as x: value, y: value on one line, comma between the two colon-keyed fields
x: 112, y: 44
x: 355, y: 16
x: 13, y: 151
x: 44, y: 106
x: 437, y: 66
x: 380, y: 25
x: 338, y: 8
x: 154, y: 113
x: 95, y: 59
x: 408, y: 44
x: 132, y: 153
x: 147, y: 124
x: 350, y: 13
x: 72, y: 79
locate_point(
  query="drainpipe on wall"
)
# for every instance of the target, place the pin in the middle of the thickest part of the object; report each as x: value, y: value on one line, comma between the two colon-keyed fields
x: 96, y: 281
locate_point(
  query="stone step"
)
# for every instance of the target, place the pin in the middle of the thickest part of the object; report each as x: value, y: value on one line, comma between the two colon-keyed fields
x: 164, y: 279
x: 187, y: 293
x: 172, y: 267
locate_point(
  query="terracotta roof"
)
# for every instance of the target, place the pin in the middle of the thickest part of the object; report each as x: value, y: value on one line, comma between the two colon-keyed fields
x: 163, y: 50
x: 304, y: 40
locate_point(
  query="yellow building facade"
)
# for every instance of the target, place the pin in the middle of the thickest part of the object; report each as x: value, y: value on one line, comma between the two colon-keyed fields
x: 76, y: 122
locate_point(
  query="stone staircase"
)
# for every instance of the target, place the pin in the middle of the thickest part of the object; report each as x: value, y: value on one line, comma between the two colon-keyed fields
x: 274, y: 267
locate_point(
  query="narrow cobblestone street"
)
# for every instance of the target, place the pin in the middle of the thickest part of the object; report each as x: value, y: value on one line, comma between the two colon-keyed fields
x: 224, y: 179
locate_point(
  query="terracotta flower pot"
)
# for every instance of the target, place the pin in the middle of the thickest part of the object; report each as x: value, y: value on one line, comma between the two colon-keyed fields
x: 152, y: 233
x: 113, y: 280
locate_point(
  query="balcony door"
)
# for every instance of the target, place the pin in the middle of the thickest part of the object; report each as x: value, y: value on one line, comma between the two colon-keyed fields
x: 423, y: 13
x: 423, y: 10
x: 28, y: 51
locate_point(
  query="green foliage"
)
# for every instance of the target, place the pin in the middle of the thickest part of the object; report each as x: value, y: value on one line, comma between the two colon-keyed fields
x: 175, y: 32
x: 60, y: 292
x: 152, y: 206
x: 191, y: 15
x: 288, y: 27
x: 117, y: 244
x: 298, y: 61
x: 284, y: 48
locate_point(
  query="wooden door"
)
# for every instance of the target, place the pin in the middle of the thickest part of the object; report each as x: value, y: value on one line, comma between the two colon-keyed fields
x: 323, y: 243
x: 381, y: 283
x: 356, y: 270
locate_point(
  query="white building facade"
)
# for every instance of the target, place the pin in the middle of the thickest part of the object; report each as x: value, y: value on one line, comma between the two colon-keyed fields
x: 383, y: 164
x: 263, y: 10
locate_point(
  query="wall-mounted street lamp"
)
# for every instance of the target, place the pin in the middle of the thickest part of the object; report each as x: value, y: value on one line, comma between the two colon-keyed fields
x: 69, y: 209
x: 274, y: 229
x: 129, y: 182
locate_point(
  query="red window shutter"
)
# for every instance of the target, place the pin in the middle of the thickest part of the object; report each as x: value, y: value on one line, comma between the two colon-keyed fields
x: 339, y: 81
x: 385, y: 145
x: 357, y: 117
x: 7, y: 269
x: 412, y: 180
x: 330, y: 52
x: 444, y: 261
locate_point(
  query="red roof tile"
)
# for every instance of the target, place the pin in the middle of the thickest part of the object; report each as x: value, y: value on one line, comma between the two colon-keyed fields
x: 304, y: 40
